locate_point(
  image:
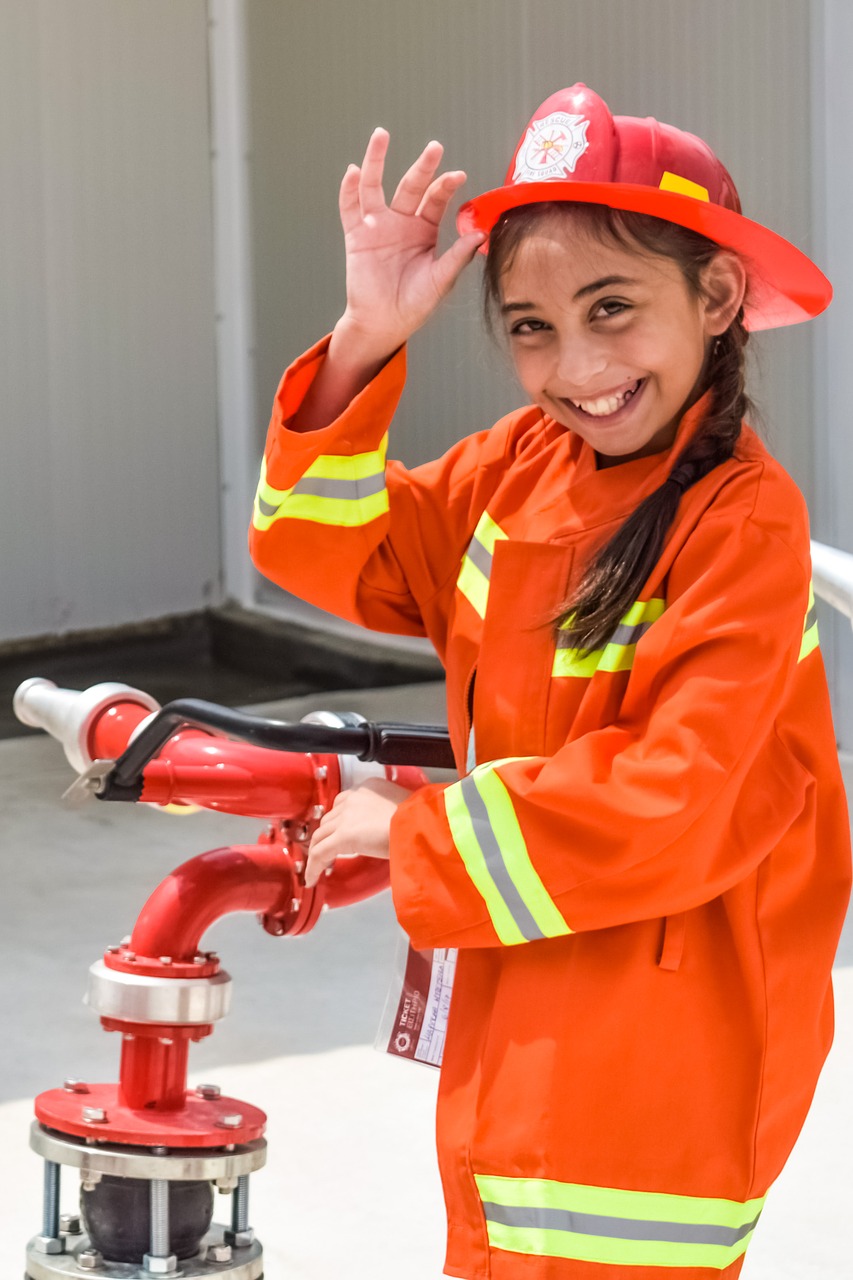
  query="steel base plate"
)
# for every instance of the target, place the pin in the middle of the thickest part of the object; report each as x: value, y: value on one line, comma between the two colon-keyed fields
x: 246, y: 1263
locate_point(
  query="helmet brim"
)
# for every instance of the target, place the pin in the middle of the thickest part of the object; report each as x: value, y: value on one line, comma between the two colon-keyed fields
x: 785, y: 286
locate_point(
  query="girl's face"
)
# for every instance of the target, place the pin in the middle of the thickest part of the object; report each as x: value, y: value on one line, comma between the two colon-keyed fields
x: 611, y: 341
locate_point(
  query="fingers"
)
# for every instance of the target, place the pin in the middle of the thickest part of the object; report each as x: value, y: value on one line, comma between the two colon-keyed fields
x: 348, y: 201
x: 416, y: 180
x: 371, y: 195
x: 438, y: 195
x: 451, y: 264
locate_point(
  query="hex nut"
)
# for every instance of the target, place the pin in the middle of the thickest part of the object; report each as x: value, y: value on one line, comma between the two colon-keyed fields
x: 230, y: 1122
x: 208, y: 1091
x: 240, y: 1239
x: 70, y: 1224
x: 48, y: 1244
x: 218, y: 1253
x: 160, y: 1266
x: 89, y: 1259
x: 94, y: 1115
x: 72, y: 1085
x: 226, y: 1185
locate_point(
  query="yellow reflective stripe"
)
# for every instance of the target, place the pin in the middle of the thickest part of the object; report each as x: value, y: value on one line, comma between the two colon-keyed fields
x: 811, y: 639
x: 487, y: 835
x: 350, y: 499
x: 489, y: 532
x: 611, y: 1226
x: 462, y: 831
x: 476, y: 568
x: 618, y: 654
x: 474, y: 586
x: 521, y: 870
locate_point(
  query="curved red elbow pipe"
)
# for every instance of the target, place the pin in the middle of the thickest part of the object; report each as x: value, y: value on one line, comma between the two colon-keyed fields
x: 255, y: 878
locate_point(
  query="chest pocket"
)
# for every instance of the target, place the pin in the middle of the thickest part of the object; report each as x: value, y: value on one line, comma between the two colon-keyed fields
x: 476, y: 570
x: 617, y: 654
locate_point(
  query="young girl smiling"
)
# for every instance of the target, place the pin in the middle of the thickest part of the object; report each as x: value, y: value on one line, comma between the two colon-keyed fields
x: 645, y: 863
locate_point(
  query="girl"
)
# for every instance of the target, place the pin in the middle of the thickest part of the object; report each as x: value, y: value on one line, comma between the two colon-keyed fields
x: 646, y: 863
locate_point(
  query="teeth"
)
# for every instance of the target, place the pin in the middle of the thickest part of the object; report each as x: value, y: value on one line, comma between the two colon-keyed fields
x: 606, y: 404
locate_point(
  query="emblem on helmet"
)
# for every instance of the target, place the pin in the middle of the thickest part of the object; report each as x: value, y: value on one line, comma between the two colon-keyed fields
x: 551, y: 148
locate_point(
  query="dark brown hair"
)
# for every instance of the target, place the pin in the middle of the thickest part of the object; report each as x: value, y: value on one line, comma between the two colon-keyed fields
x: 615, y: 578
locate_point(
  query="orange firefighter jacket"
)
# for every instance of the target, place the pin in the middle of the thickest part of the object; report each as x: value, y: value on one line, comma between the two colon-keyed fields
x: 645, y: 864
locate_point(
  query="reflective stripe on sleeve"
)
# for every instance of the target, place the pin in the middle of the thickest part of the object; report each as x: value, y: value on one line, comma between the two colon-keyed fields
x: 489, y: 841
x: 811, y: 640
x: 614, y: 1227
x: 476, y: 569
x: 335, y: 489
x: 617, y: 654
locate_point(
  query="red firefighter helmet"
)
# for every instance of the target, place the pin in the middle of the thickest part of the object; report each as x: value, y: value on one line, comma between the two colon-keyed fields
x: 574, y: 149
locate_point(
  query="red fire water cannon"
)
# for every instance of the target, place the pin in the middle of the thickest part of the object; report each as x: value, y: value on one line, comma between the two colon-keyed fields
x: 148, y: 1150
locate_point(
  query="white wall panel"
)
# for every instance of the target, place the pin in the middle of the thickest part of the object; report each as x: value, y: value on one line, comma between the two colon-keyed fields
x: 109, y: 483
x: 324, y: 73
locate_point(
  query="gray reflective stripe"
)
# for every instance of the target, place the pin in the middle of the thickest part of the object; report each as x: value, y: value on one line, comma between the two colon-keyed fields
x: 624, y: 635
x: 482, y: 558
x: 265, y: 508
x: 811, y: 618
x: 487, y: 841
x: 593, y: 1224
x: 351, y: 489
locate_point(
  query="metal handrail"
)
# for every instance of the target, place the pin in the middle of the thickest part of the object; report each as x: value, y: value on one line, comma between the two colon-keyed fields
x: 832, y: 571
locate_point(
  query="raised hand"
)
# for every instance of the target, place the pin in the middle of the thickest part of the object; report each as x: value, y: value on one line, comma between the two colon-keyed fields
x: 395, y: 279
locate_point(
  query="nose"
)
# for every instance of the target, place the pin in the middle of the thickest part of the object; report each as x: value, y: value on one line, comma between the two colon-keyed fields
x: 581, y: 360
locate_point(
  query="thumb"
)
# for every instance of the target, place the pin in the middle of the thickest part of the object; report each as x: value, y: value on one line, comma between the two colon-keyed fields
x: 451, y: 264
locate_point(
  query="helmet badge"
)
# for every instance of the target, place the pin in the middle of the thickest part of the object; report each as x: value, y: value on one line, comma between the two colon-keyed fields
x: 551, y: 148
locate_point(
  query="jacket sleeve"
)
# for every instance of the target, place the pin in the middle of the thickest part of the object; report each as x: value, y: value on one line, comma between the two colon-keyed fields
x: 664, y: 809
x: 336, y: 525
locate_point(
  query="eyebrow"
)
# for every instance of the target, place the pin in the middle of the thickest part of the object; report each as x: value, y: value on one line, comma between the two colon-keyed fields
x: 604, y: 283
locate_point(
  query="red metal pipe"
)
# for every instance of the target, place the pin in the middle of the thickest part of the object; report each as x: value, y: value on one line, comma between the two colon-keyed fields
x: 254, y: 878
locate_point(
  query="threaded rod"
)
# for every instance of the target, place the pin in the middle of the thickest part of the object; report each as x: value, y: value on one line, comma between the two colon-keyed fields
x: 159, y: 1218
x: 240, y: 1205
x: 51, y: 1199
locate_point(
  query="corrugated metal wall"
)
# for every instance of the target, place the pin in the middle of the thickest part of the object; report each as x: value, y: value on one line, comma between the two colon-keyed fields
x: 324, y: 73
x: 109, y: 478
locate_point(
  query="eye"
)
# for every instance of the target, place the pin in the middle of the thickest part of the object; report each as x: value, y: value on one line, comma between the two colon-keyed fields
x: 610, y: 307
x: 524, y: 328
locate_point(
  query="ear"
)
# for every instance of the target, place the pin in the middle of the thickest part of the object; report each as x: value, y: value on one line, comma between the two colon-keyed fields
x: 723, y: 283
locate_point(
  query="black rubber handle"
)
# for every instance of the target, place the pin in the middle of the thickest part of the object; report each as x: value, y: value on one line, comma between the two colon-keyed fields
x: 405, y: 744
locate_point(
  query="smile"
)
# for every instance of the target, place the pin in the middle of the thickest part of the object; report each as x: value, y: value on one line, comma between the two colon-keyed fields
x: 607, y: 406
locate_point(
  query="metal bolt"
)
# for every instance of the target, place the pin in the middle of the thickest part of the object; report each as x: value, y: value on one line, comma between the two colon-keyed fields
x: 219, y: 1253
x: 230, y: 1122
x: 159, y: 1151
x: 50, y: 1219
x: 240, y: 1206
x: 89, y: 1179
x: 165, y: 1040
x: 322, y: 773
x: 295, y: 904
x: 114, y: 949
x: 213, y: 955
x: 318, y: 811
x: 89, y: 1259
x: 130, y: 955
x: 165, y: 959
x: 69, y: 1224
x: 159, y: 1191
x: 226, y: 1185
x: 208, y: 1091
x: 71, y: 1085
x: 199, y: 959
x: 94, y: 1115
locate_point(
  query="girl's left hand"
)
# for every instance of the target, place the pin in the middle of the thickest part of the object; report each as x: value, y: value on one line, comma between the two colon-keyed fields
x: 359, y: 822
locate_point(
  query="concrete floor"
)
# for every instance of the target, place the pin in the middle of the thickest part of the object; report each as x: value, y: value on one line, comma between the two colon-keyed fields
x: 351, y: 1187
